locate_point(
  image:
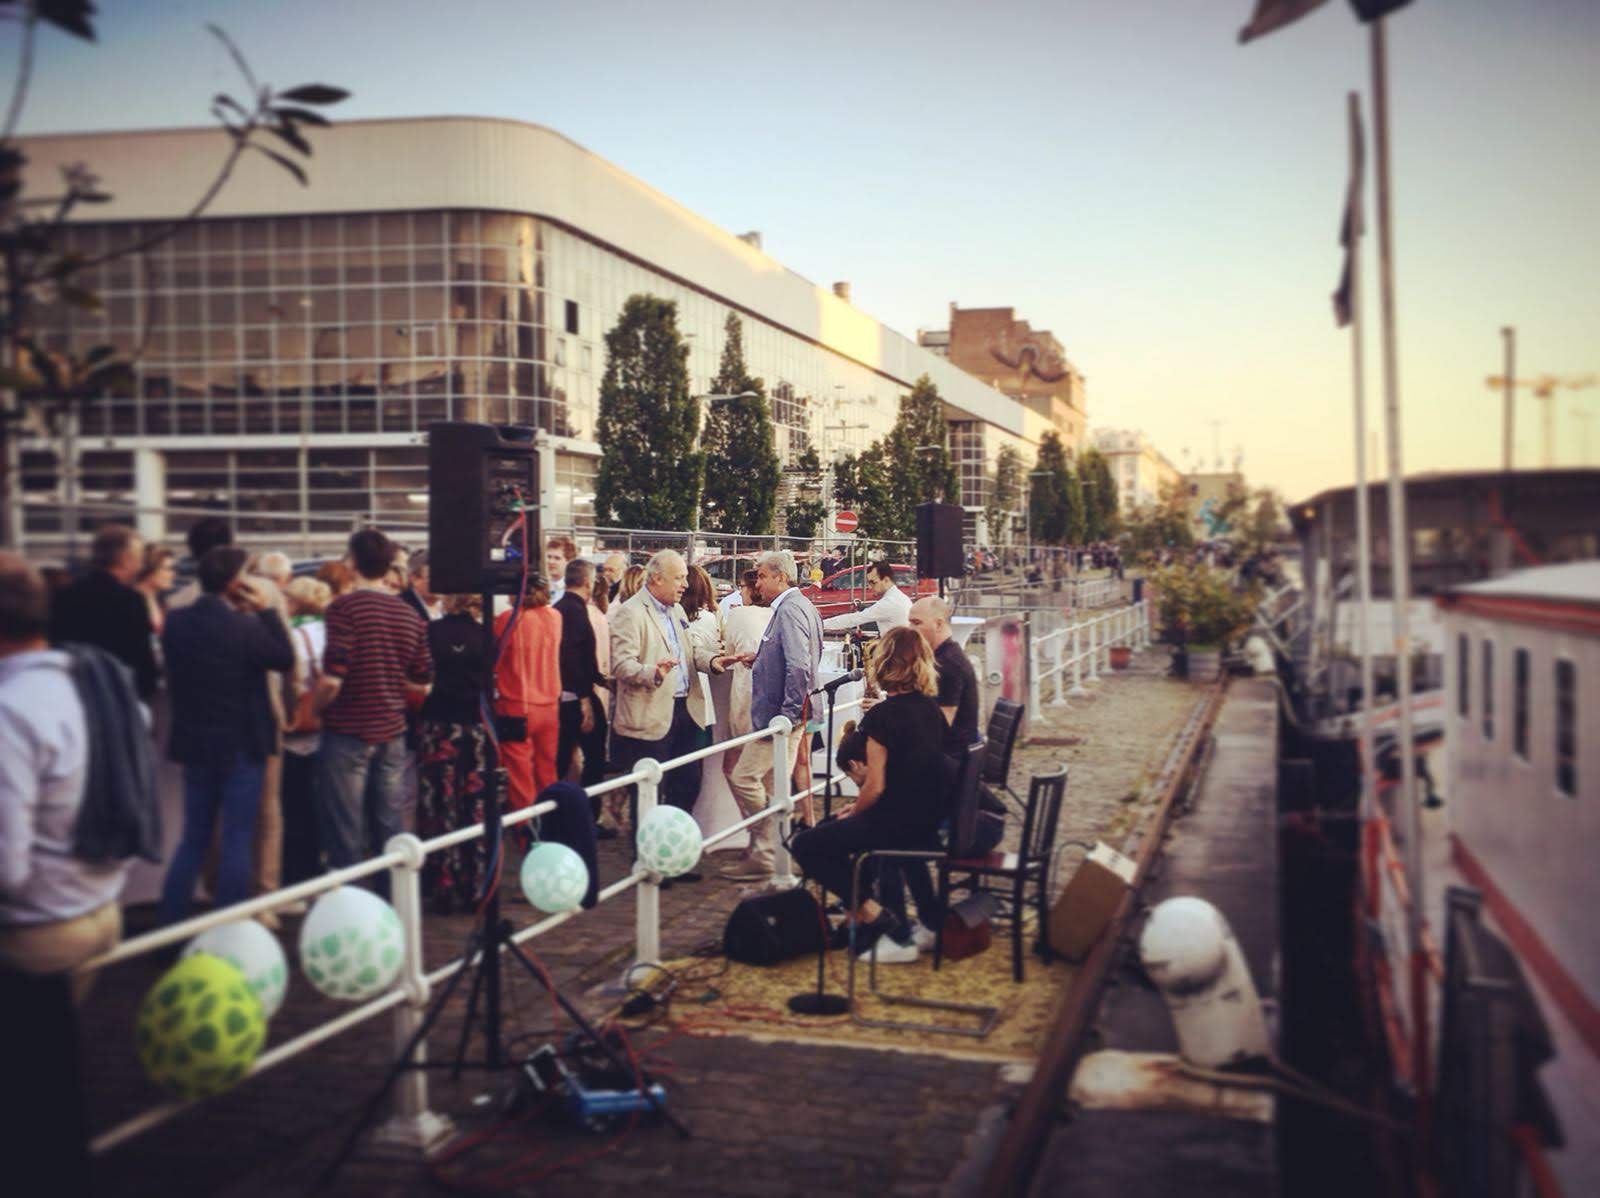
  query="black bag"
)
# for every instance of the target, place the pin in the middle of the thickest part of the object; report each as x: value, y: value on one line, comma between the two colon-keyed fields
x: 770, y: 928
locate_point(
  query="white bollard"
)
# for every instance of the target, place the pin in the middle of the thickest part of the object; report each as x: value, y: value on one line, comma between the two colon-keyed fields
x: 411, y: 1125
x: 647, y: 894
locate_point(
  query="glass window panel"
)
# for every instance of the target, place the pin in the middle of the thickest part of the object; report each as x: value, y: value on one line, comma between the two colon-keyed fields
x: 322, y: 231
x: 463, y: 302
x: 502, y: 228
x: 463, y: 228
x: 361, y: 305
x: 495, y: 302
x: 427, y: 228
x: 255, y: 271
x: 222, y: 344
x: 222, y: 307
x: 427, y: 266
x: 1488, y: 690
x: 1566, y: 728
x: 324, y: 307
x: 289, y: 270
x: 1521, y: 673
x: 394, y: 266
x: 360, y: 341
x: 394, y: 228
x: 394, y: 304
x: 257, y: 344
x: 359, y: 229
x: 288, y: 232
x: 255, y: 234
x: 492, y: 264
x: 220, y: 236
x: 222, y: 272
x: 187, y: 309
x: 428, y: 303
x: 258, y: 307
x: 360, y: 266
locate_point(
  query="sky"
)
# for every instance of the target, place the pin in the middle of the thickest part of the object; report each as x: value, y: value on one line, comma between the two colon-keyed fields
x: 1126, y: 175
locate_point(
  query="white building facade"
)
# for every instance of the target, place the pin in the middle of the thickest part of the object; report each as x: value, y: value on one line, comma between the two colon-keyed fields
x: 1139, y: 468
x: 297, y: 341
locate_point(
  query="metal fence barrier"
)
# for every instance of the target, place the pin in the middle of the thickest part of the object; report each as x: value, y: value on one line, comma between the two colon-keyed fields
x: 1084, y: 648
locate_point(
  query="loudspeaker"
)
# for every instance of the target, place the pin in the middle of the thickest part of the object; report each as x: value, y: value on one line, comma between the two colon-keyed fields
x: 939, y: 541
x: 483, y: 507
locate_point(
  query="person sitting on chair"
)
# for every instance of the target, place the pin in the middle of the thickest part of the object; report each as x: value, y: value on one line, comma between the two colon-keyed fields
x: 901, y: 786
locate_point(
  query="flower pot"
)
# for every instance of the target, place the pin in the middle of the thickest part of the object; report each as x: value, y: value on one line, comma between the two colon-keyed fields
x: 1121, y: 655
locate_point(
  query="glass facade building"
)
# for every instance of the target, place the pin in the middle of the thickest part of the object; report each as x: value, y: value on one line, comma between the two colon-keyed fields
x: 289, y: 362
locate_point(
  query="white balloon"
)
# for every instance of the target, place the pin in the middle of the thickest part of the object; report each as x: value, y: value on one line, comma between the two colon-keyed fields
x: 669, y: 841
x: 256, y: 952
x: 351, y: 946
x: 554, y: 878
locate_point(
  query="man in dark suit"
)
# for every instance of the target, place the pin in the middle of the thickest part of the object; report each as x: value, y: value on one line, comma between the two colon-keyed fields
x: 582, y: 720
x: 218, y: 652
x: 103, y: 609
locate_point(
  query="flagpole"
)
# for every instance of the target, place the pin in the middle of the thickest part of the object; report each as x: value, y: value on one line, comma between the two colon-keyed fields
x: 1369, y: 698
x: 1400, y: 572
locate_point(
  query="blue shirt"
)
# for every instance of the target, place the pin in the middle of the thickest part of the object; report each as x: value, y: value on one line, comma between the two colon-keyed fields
x: 670, y: 624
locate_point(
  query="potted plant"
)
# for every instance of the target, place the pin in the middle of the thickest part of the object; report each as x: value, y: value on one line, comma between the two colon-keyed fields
x: 1199, y: 605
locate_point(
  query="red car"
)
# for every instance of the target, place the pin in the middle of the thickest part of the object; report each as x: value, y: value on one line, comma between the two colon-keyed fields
x: 847, y: 590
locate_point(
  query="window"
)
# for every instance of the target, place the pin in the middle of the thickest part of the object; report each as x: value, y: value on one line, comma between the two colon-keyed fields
x: 1567, y: 728
x: 572, y: 317
x: 1463, y: 679
x: 1519, y: 703
x: 1488, y: 690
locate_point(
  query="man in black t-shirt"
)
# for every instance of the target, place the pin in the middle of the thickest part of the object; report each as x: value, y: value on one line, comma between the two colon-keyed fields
x: 958, y: 683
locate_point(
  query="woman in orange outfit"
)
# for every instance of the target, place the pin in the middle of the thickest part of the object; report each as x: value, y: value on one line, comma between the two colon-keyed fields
x: 528, y: 682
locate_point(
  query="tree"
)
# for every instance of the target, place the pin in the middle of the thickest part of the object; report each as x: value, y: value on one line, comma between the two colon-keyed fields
x: 1099, y: 496
x: 1265, y: 522
x: 1075, y: 518
x: 804, y: 516
x: 885, y: 483
x: 861, y: 484
x: 742, y: 467
x: 1005, y: 488
x: 1150, y: 529
x: 650, y: 474
x: 1048, y: 515
x: 42, y: 387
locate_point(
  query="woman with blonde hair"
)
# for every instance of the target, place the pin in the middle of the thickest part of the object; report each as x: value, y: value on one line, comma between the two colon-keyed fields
x: 901, y: 795
x: 308, y: 599
x: 528, y: 679
x: 631, y: 582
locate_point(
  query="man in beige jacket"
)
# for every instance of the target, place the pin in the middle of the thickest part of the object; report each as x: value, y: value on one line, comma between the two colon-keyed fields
x: 654, y: 659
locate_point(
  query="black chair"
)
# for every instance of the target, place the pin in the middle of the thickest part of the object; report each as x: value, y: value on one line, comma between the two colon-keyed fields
x: 1030, y: 864
x: 1000, y: 742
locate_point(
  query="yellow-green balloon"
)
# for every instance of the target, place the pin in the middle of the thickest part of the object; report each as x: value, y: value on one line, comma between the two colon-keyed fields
x: 200, y: 1027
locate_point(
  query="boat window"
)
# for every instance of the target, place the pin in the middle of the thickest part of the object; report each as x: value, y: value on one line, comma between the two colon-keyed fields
x: 1463, y: 675
x: 1567, y: 728
x: 1488, y: 690
x: 1519, y: 703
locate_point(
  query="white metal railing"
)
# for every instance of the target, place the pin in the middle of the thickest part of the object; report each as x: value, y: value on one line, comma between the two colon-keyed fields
x: 1084, y: 648
x: 411, y: 1122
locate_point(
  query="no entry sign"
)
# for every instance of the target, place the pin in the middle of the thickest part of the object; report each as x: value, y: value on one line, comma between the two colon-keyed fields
x: 845, y: 522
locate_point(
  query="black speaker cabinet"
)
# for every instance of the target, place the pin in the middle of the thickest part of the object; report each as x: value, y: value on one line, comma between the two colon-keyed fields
x: 483, y: 507
x: 939, y: 541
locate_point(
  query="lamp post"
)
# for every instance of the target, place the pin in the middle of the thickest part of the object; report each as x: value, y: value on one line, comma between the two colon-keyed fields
x: 699, y: 433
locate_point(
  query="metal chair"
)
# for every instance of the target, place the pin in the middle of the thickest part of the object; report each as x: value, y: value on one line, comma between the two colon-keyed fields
x: 1030, y: 864
x: 1000, y: 742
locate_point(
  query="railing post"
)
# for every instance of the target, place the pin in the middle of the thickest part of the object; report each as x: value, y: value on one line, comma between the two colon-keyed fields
x: 1144, y: 623
x: 1060, y: 671
x: 411, y: 1125
x: 1105, y: 643
x: 1034, y: 691
x: 783, y: 799
x: 1094, y: 653
x: 1078, y: 689
x: 647, y: 900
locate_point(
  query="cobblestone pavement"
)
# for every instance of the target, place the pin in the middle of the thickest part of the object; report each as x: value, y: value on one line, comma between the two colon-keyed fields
x: 769, y: 1118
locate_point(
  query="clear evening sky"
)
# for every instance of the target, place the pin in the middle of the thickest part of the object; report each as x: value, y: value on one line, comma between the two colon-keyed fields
x: 1122, y: 173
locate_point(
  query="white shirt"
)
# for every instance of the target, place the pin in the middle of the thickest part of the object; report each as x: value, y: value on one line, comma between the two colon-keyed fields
x: 733, y: 598
x: 892, y: 609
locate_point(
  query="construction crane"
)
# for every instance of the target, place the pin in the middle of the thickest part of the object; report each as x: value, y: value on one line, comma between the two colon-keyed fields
x: 1544, y: 388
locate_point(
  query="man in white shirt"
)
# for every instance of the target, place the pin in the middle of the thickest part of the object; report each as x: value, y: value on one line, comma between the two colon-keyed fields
x: 891, y: 609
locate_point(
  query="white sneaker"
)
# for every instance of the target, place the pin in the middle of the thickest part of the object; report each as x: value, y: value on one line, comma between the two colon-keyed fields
x: 924, y: 938
x: 891, y: 952
x: 749, y: 870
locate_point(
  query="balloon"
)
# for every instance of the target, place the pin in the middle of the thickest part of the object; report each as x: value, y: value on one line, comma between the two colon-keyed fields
x: 257, y: 954
x: 669, y: 841
x: 350, y: 944
x: 200, y: 1027
x: 554, y: 878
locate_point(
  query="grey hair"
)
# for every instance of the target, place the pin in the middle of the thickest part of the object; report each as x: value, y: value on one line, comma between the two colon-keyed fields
x: 275, y: 565
x: 579, y: 573
x: 659, y: 561
x: 779, y: 561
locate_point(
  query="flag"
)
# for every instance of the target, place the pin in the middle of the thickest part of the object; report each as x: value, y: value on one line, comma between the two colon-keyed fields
x: 1353, y: 225
x: 1272, y: 15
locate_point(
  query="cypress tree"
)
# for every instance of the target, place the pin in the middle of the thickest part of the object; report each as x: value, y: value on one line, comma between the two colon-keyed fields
x: 741, y: 463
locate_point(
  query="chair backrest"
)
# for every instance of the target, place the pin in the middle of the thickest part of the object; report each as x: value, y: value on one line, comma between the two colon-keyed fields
x: 1005, y: 721
x: 964, y: 820
x: 1045, y: 793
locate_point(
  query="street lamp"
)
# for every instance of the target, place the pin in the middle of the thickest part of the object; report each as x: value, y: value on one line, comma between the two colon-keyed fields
x: 699, y: 433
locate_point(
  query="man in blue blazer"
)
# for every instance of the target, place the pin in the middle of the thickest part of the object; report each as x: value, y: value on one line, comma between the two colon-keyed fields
x: 782, y: 678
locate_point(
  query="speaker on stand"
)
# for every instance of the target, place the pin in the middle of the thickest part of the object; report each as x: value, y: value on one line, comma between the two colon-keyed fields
x: 939, y: 542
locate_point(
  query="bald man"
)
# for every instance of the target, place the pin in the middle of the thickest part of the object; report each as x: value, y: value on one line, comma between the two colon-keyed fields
x: 958, y: 682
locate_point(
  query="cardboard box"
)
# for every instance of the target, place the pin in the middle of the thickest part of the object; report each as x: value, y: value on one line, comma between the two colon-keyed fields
x: 1086, y: 906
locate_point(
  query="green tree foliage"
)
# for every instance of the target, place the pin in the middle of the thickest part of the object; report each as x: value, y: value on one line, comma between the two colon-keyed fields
x: 884, y: 484
x: 649, y: 475
x: 40, y: 386
x: 742, y: 468
x: 1050, y: 516
x: 1200, y: 604
x: 1151, y: 528
x: 1099, y: 496
x: 804, y: 516
x: 1005, y: 490
x: 861, y: 484
x: 1075, y: 507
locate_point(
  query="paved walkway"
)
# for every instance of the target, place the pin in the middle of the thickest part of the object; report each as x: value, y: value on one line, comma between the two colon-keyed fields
x: 769, y: 1118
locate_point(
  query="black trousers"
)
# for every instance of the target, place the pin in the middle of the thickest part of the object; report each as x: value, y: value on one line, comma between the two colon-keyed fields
x: 302, y: 848
x: 571, y: 737
x: 823, y: 853
x: 681, y: 787
x: 45, y: 1122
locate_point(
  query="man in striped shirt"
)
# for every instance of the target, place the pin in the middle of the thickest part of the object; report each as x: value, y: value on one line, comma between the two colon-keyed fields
x: 377, y: 650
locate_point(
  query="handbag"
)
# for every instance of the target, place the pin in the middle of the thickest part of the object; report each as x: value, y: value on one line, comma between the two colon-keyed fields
x: 770, y: 928
x: 967, y: 930
x: 306, y: 717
